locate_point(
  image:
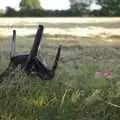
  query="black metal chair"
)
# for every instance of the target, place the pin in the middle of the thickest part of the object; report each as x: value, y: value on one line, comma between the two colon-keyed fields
x: 30, y: 62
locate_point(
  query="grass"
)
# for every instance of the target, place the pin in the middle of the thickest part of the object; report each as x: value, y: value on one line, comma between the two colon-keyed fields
x: 75, y: 93
x: 29, y: 98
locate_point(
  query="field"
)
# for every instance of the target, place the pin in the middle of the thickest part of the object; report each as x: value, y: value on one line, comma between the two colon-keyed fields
x: 89, y: 46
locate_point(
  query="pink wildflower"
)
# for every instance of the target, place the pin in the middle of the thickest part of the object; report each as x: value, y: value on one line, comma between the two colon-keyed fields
x: 104, y: 74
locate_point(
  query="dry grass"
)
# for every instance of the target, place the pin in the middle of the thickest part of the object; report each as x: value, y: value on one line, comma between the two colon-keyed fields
x: 81, y: 27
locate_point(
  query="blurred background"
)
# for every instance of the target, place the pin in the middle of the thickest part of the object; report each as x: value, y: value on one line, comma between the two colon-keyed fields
x: 68, y: 8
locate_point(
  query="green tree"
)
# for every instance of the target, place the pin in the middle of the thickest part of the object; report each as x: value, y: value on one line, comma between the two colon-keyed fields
x: 110, y: 7
x: 77, y: 4
x: 10, y: 12
x: 30, y: 4
x: 80, y: 6
x: 1, y: 13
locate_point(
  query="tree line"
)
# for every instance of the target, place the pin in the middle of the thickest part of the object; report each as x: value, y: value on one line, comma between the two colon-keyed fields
x: 33, y: 8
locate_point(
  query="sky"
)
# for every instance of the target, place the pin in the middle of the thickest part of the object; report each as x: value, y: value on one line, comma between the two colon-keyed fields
x: 46, y: 4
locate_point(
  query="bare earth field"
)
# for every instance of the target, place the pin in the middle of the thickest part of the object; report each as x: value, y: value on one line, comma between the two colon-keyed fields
x: 89, y: 45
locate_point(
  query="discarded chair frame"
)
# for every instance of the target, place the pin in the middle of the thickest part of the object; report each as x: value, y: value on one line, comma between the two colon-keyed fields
x: 30, y: 62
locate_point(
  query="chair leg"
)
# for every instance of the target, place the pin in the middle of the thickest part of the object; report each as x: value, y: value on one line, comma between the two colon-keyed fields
x: 37, y: 41
x: 13, y: 44
x: 56, y: 59
x: 35, y: 46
